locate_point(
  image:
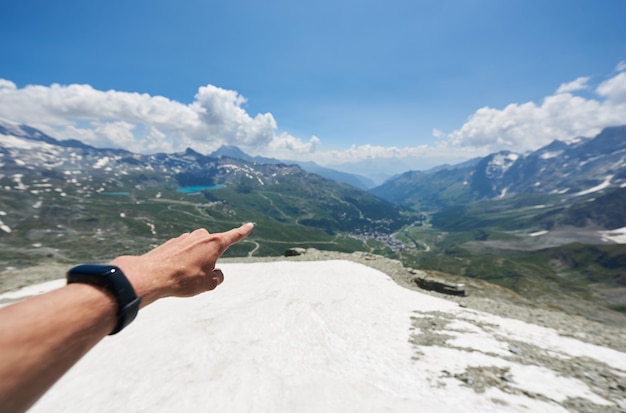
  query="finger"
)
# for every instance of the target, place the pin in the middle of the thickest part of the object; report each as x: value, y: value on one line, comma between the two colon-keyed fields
x: 218, y: 276
x: 210, y: 282
x: 236, y: 234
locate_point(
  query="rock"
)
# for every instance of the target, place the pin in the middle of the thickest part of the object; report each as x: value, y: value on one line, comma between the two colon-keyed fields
x: 441, y: 286
x: 294, y: 252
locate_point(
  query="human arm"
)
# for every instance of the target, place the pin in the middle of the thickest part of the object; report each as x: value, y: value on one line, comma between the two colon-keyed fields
x: 42, y: 337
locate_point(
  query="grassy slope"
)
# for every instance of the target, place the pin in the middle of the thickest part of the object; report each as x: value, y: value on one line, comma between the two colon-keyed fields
x: 489, y: 240
x: 48, y: 227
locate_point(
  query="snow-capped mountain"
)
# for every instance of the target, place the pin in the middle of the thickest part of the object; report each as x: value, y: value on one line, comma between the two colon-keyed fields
x: 576, y: 167
x: 46, y: 183
x: 358, y: 181
x: 26, y: 150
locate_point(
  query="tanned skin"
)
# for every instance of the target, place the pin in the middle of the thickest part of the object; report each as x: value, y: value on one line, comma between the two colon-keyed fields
x: 44, y: 336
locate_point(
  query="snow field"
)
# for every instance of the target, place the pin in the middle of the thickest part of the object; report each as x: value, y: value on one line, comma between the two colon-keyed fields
x: 331, y: 336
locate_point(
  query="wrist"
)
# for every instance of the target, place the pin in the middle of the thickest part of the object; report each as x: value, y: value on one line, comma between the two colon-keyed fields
x: 113, y: 279
x: 145, y: 287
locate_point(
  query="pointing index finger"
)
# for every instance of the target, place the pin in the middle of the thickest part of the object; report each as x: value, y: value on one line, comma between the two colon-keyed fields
x: 237, y: 234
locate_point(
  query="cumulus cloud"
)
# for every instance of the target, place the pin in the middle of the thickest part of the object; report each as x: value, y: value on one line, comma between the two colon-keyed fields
x: 367, y: 152
x: 621, y: 66
x: 148, y: 124
x: 614, y: 89
x: 7, y: 84
x: 221, y: 113
x: 141, y: 122
x: 530, y: 125
x: 578, y: 84
x: 438, y: 134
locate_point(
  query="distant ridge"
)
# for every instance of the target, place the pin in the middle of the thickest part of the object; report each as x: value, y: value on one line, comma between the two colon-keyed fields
x: 361, y: 182
x: 579, y: 166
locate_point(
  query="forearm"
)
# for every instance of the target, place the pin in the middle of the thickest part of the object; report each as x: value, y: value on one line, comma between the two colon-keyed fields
x: 42, y: 337
x: 48, y: 335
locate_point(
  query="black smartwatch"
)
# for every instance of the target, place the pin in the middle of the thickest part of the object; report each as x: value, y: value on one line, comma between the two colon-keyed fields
x: 114, y: 280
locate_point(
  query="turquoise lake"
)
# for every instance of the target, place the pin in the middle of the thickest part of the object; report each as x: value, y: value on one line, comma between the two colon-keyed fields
x: 193, y: 189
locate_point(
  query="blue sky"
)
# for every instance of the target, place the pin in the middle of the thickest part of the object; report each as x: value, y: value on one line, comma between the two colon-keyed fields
x: 337, y: 81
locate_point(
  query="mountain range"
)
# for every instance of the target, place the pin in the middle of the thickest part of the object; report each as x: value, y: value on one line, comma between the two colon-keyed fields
x: 512, y: 219
x: 575, y: 168
x: 359, y: 181
x: 50, y: 189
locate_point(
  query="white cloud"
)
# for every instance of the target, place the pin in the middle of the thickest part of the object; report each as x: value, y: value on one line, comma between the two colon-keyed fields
x: 141, y: 122
x: 148, y: 124
x: 7, y: 84
x: 527, y: 126
x: 221, y: 114
x: 380, y: 162
x: 438, y: 134
x: 621, y: 66
x: 115, y: 134
x: 578, y: 84
x: 614, y: 89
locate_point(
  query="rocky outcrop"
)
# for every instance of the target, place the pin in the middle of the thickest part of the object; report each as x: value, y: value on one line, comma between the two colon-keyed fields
x: 441, y: 286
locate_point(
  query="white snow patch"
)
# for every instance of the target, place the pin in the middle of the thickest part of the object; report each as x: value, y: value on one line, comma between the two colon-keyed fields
x: 33, y: 290
x: 616, y: 235
x: 500, y: 163
x: 573, y: 141
x: 101, y: 163
x: 17, y: 178
x: 312, y: 336
x: 605, y: 184
x: 550, y: 155
x: 5, y: 227
x: 538, y: 233
x: 560, y: 191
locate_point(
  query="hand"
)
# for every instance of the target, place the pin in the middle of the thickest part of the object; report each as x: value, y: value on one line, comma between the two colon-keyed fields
x: 43, y: 336
x: 181, y: 267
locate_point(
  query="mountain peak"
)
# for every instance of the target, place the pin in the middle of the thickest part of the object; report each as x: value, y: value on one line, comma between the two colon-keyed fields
x: 191, y: 152
x: 230, y: 151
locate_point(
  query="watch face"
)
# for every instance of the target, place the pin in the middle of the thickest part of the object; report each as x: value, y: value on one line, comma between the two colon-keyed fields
x: 95, y: 269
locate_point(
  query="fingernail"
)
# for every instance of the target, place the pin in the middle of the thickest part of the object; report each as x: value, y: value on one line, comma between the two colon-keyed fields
x: 249, y: 224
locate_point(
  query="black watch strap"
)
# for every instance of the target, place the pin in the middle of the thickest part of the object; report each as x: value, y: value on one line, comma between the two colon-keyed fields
x: 114, y: 280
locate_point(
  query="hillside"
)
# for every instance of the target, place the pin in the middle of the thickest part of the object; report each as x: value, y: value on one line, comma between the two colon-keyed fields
x: 62, y: 200
x: 546, y: 224
x: 541, y: 246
